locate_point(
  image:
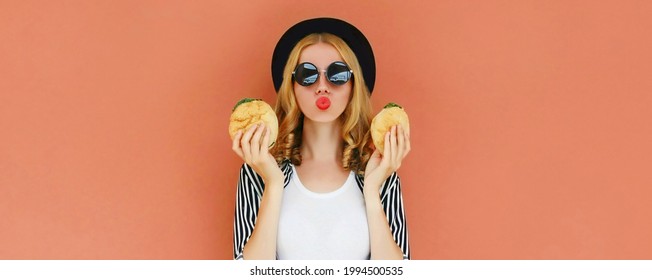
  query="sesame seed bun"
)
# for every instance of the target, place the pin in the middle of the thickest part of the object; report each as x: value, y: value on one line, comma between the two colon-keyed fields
x: 392, y: 114
x: 248, y: 112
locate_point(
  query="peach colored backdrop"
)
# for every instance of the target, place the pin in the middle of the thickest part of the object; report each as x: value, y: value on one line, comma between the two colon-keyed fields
x: 530, y: 123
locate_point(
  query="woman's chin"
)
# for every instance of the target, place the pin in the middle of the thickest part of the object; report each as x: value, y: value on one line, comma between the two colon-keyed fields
x: 322, y: 117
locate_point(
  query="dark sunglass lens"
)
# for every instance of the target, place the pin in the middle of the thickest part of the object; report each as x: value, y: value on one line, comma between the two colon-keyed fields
x: 338, y: 73
x: 306, y: 74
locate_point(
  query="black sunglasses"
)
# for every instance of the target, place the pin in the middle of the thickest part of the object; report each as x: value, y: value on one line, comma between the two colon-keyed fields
x: 306, y: 74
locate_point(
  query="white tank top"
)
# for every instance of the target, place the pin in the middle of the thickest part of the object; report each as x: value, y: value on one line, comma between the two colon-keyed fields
x: 322, y: 226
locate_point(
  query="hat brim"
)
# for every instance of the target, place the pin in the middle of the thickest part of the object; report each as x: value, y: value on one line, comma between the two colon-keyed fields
x: 349, y: 33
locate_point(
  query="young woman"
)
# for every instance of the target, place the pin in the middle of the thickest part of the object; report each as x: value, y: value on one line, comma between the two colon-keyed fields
x: 321, y: 192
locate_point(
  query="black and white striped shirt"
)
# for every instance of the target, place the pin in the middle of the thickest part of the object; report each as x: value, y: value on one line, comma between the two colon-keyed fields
x: 250, y: 192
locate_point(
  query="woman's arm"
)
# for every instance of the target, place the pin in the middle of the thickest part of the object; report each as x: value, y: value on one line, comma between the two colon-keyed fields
x: 383, y: 246
x: 386, y: 218
x: 259, y: 197
x: 383, y: 199
x: 247, y: 204
x: 262, y: 243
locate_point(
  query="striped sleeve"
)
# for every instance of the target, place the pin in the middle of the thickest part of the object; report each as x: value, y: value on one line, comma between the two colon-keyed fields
x: 248, y: 196
x: 392, y: 201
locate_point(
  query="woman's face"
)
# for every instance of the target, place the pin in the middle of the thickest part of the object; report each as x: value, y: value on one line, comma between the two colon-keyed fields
x: 313, y: 100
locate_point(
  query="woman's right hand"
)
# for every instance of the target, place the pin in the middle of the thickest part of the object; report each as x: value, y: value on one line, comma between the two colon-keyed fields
x: 253, y: 147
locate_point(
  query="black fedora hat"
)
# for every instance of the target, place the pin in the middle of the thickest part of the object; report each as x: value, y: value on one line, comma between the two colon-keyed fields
x: 349, y: 33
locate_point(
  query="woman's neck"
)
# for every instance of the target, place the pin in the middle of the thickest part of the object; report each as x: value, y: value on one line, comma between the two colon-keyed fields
x: 321, y: 142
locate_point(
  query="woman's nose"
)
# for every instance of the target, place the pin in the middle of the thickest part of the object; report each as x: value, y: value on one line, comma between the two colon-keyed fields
x: 322, y: 84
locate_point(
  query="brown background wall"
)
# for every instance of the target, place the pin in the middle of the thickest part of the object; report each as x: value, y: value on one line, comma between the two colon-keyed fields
x: 530, y: 123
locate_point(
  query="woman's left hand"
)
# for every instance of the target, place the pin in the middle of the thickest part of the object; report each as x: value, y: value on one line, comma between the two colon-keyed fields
x: 379, y: 167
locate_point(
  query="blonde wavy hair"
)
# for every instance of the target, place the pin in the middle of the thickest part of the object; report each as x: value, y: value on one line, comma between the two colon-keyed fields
x: 355, y: 120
